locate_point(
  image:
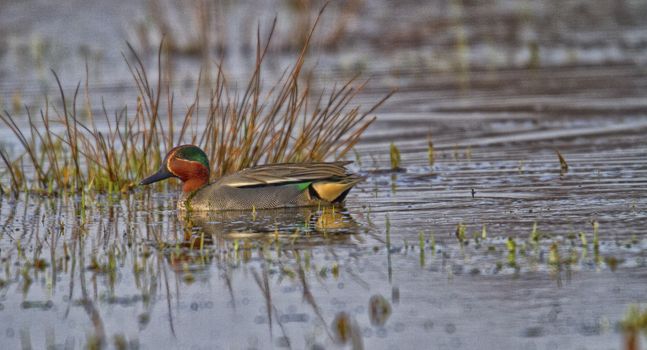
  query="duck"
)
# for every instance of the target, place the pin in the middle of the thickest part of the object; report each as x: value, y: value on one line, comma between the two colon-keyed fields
x: 281, y: 185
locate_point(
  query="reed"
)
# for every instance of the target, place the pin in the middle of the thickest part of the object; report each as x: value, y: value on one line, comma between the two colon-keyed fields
x: 563, y: 165
x: 394, y: 156
x: 285, y: 122
x: 431, y: 155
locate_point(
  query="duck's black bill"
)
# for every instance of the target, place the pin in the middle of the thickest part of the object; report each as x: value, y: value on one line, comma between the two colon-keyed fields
x: 162, y: 174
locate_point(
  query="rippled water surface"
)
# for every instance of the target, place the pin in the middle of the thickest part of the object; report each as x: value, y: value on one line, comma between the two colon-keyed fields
x: 491, y: 245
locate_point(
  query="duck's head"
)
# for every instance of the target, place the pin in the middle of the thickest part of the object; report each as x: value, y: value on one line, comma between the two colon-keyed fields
x: 188, y: 163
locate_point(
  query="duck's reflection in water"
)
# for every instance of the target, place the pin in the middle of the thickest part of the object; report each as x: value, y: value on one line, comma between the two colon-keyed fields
x: 234, y: 235
x: 300, y: 227
x: 271, y: 245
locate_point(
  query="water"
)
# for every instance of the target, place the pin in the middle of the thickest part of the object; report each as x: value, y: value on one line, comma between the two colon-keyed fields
x: 406, y: 263
x: 135, y: 272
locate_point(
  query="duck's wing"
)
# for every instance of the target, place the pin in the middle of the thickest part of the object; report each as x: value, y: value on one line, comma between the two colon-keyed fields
x: 286, y: 173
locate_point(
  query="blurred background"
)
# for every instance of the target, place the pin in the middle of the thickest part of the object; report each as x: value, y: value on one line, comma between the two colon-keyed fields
x: 413, y: 45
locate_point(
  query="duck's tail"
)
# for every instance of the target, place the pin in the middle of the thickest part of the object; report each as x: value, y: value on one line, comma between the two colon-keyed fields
x: 334, y: 190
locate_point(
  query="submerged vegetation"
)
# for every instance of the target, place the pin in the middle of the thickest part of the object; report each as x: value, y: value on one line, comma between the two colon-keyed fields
x: 287, y: 122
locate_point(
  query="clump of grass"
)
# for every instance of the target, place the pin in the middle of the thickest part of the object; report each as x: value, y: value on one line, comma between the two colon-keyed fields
x: 534, y: 235
x: 562, y: 163
x: 394, y: 155
x: 511, y: 244
x: 553, y: 255
x: 596, y: 239
x: 461, y: 232
x: 421, y: 246
x: 285, y: 122
x: 430, y: 151
x: 634, y: 322
x: 432, y: 244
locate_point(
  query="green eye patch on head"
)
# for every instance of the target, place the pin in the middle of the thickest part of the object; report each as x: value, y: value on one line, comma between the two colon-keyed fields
x: 193, y: 153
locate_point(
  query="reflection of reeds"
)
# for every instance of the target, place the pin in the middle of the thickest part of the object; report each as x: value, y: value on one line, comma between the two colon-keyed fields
x: 286, y: 123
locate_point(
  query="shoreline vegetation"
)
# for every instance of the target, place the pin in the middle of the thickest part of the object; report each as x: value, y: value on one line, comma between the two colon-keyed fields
x: 284, y: 122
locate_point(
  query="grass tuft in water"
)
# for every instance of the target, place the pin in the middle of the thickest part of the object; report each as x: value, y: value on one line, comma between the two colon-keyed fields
x: 634, y: 322
x: 283, y: 122
x: 511, y: 244
x: 421, y: 245
x: 394, y: 155
x: 460, y: 233
x: 562, y: 163
x: 596, y: 239
x: 430, y: 151
x: 534, y: 235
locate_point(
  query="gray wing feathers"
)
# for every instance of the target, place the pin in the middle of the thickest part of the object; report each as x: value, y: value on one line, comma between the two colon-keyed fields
x: 285, y: 173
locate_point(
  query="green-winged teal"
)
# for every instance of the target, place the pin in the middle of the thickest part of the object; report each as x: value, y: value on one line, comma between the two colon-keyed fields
x: 261, y: 187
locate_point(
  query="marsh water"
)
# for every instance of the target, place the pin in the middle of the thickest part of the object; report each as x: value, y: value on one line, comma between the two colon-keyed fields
x: 491, y: 245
